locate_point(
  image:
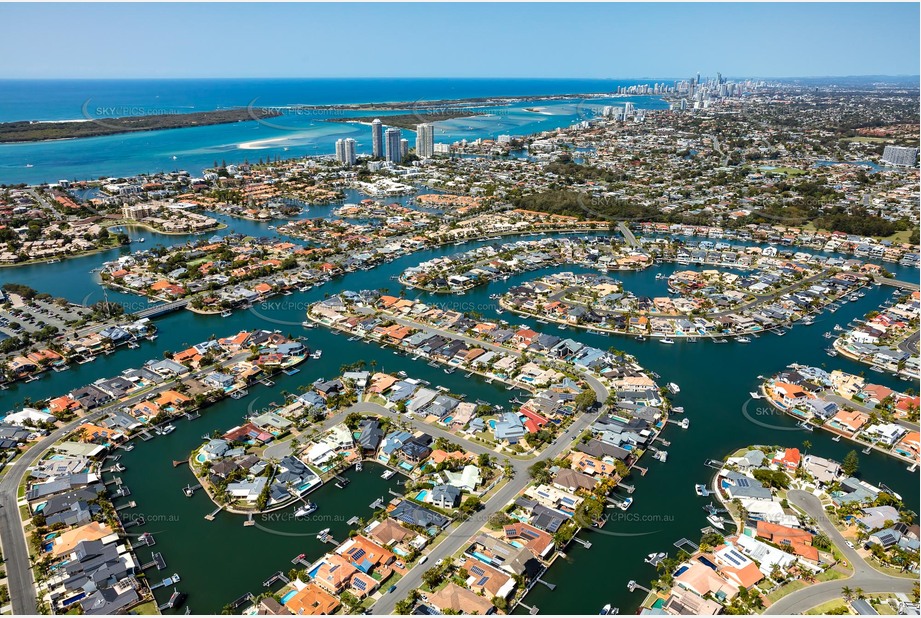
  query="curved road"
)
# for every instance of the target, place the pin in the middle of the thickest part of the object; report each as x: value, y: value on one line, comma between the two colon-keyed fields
x: 865, y: 576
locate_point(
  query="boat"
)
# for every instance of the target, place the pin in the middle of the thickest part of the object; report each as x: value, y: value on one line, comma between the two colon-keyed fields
x: 866, y: 451
x: 837, y: 328
x: 640, y: 338
x: 720, y: 340
x: 449, y: 370
x: 623, y: 506
x: 805, y: 425
x: 780, y: 332
x: 388, y: 474
x: 743, y: 340
x: 832, y: 352
x: 666, y: 340
x: 317, y: 354
x: 168, y: 429
x: 305, y: 510
x: 654, y: 558
x: 607, y: 610
x: 142, y: 239
x: 674, y: 388
x: 226, y: 313
x: 322, y: 534
x: 716, y: 522
x: 307, y: 324
x: 701, y: 490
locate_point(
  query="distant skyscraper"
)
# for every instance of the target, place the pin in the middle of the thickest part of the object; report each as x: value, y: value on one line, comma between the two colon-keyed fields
x: 392, y: 138
x: 404, y: 148
x: 628, y: 109
x: 900, y: 155
x: 425, y: 141
x: 377, y: 139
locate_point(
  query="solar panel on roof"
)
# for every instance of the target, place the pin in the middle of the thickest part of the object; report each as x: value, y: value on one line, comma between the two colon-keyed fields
x: 477, y: 570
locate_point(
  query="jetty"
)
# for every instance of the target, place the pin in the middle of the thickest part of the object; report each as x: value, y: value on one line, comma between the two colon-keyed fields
x: 156, y: 562
x: 547, y: 584
x: 213, y: 514
x: 169, y: 581
x: 276, y: 577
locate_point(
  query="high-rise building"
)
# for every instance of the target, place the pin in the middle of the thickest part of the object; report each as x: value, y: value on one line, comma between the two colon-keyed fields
x: 404, y: 148
x: 392, y: 137
x: 425, y: 141
x: 900, y: 155
x: 345, y: 151
x: 377, y: 139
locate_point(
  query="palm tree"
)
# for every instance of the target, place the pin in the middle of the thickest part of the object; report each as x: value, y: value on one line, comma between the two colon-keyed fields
x: 847, y: 593
x: 806, y: 445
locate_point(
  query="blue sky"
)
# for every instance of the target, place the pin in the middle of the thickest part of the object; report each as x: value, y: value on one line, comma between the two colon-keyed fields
x: 458, y: 40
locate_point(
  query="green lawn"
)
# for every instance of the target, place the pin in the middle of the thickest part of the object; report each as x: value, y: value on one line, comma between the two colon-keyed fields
x: 785, y: 590
x: 146, y: 609
x: 825, y: 608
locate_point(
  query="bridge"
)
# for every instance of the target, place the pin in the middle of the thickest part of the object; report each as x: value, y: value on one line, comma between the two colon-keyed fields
x: 158, y: 310
x: 628, y: 235
x: 897, y: 283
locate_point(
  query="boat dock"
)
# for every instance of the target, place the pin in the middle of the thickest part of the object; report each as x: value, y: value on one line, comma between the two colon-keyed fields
x: 277, y: 576
x: 684, y: 544
x: 189, y: 490
x: 115, y: 480
x: 156, y: 561
x: 531, y: 610
x: 716, y: 464
x: 354, y: 520
x: 341, y: 482
x: 145, y: 435
x: 547, y: 584
x: 582, y: 542
x: 115, y: 468
x: 684, y: 423
x: 246, y: 598
x: 192, y: 415
x: 140, y: 521
x: 213, y: 514
x: 628, y: 488
x: 129, y: 505
x: 169, y: 581
x: 249, y: 521
x: 377, y: 504
x: 172, y: 602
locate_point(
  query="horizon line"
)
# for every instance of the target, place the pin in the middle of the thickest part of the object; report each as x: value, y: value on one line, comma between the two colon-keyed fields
x: 451, y: 77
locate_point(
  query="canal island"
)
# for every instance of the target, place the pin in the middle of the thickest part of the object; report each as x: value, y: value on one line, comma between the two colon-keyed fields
x: 654, y: 352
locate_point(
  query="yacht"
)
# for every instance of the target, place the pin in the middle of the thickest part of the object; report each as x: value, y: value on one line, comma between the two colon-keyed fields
x: 226, y: 313
x: 168, y: 429
x: 805, y: 425
x: 623, y: 506
x: 322, y: 534
x: 743, y: 340
x: 716, y: 522
x: 305, y: 510
x: 607, y: 610
x: 654, y: 558
x: 674, y: 388
x: 666, y: 340
x: 317, y: 354
x: 701, y: 490
x: 755, y: 395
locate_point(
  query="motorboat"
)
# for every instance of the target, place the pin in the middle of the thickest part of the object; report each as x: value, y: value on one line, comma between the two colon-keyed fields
x: 666, y: 340
x: 305, y: 510
x: 655, y: 558
x: 674, y: 388
x: 743, y: 340
x: 716, y: 522
x: 701, y: 490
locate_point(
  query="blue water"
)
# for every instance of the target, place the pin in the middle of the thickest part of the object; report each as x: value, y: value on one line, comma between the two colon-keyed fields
x: 295, y: 133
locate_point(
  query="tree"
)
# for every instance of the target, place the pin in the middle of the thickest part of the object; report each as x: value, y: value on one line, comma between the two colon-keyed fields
x: 851, y: 463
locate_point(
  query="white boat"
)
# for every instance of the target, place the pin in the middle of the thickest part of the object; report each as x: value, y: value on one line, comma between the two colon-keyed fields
x: 226, y: 313
x: 716, y: 522
x: 755, y: 395
x: 305, y: 510
x: 168, y: 429
x: 743, y: 340
x: 701, y: 490
x: 674, y: 388
x: 317, y: 354
x: 666, y: 340
x: 654, y: 558
x: 623, y: 506
x: 322, y: 534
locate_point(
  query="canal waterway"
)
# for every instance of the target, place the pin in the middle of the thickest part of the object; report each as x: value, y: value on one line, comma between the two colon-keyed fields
x: 221, y: 559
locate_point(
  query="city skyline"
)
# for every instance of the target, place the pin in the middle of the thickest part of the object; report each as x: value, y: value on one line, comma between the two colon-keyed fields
x: 790, y: 40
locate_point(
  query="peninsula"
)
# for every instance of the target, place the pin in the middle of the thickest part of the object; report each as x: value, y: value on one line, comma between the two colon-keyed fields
x: 32, y: 131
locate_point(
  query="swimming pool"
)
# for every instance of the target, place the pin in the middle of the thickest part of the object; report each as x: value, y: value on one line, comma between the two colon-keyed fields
x: 422, y: 494
x: 492, y: 423
x: 288, y: 596
x: 200, y: 458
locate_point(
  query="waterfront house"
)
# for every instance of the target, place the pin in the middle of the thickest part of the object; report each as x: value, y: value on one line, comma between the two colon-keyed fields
x: 848, y: 422
x: 787, y: 458
x: 414, y: 515
x: 540, y: 543
x: 486, y: 580
x: 704, y: 581
x: 311, y: 600
x: 459, y: 600
x: 444, y: 496
x: 878, y: 517
x: 824, y: 471
x: 497, y: 553
x: 508, y: 427
x: 797, y: 539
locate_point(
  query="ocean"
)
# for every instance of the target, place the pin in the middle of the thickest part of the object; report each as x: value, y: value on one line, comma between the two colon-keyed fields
x: 296, y: 132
